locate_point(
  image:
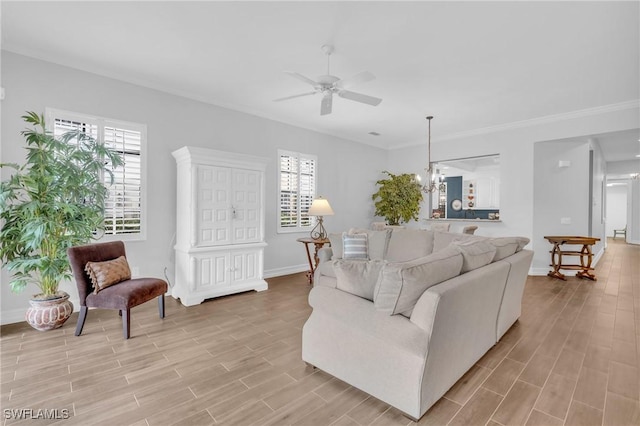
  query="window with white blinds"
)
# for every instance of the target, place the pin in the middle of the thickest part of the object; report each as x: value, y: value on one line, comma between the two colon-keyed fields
x: 296, y: 190
x: 124, y: 207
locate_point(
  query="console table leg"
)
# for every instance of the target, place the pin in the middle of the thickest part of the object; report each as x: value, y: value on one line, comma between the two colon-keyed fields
x: 586, y: 257
x: 556, y: 263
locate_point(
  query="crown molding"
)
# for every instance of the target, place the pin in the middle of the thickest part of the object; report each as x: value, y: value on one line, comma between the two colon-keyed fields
x: 547, y: 119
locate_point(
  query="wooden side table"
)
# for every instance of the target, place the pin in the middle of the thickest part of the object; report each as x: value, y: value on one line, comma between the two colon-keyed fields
x: 313, y: 264
x: 585, y: 254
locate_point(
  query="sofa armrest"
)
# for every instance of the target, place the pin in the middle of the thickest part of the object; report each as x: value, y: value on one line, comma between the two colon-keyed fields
x: 475, y: 293
x: 324, y: 254
x: 460, y: 317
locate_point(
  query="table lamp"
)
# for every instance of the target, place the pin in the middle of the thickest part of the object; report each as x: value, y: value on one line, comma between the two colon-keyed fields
x: 320, y: 207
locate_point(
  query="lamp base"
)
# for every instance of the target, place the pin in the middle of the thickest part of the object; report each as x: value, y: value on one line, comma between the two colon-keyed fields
x: 318, y: 232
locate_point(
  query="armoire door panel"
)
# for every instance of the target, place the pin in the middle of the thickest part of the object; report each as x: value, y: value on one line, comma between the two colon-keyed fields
x: 212, y: 271
x: 247, y: 205
x: 213, y: 204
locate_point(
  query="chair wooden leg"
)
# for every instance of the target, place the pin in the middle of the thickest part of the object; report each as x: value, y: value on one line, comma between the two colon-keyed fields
x: 82, y: 316
x: 161, y: 305
x: 126, y: 323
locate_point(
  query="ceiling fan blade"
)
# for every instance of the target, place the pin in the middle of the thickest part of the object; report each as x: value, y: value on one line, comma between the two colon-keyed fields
x: 362, y: 77
x: 294, y: 96
x: 326, y: 105
x: 359, y: 97
x: 302, y: 78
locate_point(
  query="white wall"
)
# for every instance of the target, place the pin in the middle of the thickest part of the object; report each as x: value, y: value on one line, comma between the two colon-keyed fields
x: 599, y: 170
x: 560, y: 193
x: 633, y: 211
x: 616, y: 208
x: 347, y: 170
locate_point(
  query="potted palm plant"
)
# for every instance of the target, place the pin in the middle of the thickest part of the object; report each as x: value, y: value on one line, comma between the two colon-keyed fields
x: 398, y: 198
x: 53, y: 201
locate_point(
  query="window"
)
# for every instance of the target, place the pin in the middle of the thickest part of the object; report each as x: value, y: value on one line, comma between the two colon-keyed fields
x: 296, y: 190
x: 124, y: 214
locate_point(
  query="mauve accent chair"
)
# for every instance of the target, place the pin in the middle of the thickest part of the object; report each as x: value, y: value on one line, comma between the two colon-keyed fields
x: 122, y: 296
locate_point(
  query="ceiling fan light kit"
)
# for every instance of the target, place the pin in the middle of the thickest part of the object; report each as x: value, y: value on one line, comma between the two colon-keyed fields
x: 329, y: 85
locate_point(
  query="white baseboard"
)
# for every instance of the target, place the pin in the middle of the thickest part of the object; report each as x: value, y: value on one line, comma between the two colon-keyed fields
x: 17, y: 315
x: 538, y: 272
x: 13, y: 316
x: 288, y: 270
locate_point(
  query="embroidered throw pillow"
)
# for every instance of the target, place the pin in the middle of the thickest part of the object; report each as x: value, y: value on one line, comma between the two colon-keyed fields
x: 107, y: 273
x: 355, y: 246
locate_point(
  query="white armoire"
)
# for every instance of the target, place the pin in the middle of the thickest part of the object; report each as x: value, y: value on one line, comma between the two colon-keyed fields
x: 220, y: 224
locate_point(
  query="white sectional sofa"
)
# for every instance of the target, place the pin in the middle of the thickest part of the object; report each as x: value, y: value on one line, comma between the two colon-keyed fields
x: 408, y: 321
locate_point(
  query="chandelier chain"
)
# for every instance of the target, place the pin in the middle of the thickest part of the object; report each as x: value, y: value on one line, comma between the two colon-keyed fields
x: 430, y: 185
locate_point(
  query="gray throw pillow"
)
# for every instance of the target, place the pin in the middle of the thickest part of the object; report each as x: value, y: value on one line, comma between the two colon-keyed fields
x: 355, y: 246
x: 401, y: 284
x: 358, y: 277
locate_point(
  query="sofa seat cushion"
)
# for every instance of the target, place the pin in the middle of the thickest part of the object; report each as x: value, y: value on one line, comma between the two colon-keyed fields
x: 358, y: 277
x: 127, y: 294
x: 408, y: 244
x: 402, y: 283
x: 360, y: 314
x: 475, y: 254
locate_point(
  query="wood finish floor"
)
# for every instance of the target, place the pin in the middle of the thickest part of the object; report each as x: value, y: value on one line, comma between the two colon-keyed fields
x: 572, y: 359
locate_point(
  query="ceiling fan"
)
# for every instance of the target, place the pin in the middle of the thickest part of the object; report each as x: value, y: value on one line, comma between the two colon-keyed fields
x: 329, y: 84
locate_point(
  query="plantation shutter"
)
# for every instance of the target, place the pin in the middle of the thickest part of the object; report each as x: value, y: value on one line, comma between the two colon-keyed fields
x: 307, y: 188
x: 123, y: 205
x: 297, y: 186
x: 123, y: 213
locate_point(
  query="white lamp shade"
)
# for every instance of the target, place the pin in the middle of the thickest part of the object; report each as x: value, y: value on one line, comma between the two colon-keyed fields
x: 320, y: 207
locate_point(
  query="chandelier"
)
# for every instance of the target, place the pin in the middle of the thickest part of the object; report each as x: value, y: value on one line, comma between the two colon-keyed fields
x: 430, y: 185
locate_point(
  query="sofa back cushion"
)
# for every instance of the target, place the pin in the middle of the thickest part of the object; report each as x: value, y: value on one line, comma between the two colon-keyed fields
x: 408, y: 244
x: 401, y: 284
x: 505, y: 247
x: 378, y: 243
x: 475, y: 254
x: 335, y: 239
x: 442, y: 240
x: 358, y: 277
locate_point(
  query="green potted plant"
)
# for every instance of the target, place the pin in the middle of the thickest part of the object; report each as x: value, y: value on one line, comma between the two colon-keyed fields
x: 398, y: 198
x: 53, y: 201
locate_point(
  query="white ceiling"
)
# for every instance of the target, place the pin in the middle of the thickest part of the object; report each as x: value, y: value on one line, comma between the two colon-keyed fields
x: 472, y: 65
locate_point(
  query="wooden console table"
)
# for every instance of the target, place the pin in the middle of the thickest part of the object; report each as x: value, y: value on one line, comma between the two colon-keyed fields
x: 313, y: 264
x: 585, y: 254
